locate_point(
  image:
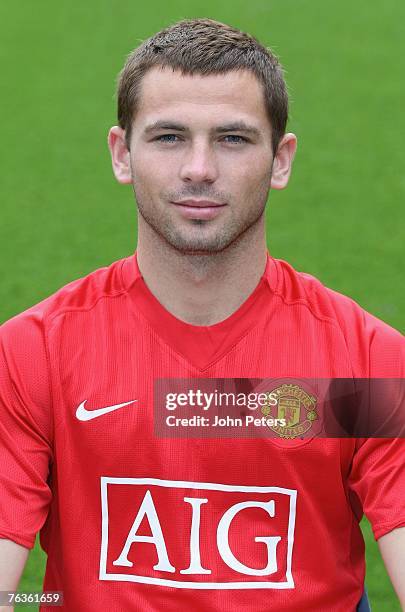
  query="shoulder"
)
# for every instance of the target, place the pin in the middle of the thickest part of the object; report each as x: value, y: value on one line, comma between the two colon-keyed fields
x: 365, y: 335
x: 80, y: 294
x: 24, y: 346
x: 23, y: 338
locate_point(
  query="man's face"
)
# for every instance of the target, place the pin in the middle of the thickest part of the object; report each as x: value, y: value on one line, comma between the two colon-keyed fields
x: 201, y: 157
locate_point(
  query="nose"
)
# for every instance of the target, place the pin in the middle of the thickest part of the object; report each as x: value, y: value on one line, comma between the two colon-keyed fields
x: 199, y: 164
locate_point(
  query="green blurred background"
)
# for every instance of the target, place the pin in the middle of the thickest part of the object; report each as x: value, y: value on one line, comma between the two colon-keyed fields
x: 341, y: 218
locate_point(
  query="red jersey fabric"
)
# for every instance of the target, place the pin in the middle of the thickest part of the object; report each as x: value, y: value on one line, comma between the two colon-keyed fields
x: 133, y: 522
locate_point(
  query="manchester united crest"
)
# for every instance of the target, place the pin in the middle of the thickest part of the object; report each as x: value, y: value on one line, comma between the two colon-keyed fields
x: 296, y: 407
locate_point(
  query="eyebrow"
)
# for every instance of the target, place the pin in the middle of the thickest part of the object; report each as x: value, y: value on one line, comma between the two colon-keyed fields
x: 164, y: 125
x: 236, y: 126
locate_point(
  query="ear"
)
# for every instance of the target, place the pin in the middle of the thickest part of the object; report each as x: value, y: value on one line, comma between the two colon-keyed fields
x: 119, y: 155
x: 282, y: 162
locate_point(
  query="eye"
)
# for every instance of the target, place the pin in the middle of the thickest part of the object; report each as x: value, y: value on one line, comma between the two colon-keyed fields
x: 169, y: 138
x: 235, y: 139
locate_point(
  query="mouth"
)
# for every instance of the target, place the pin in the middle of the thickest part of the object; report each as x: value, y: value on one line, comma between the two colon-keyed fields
x: 199, y: 209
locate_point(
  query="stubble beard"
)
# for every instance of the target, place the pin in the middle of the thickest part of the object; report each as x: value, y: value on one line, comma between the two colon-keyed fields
x: 196, y: 239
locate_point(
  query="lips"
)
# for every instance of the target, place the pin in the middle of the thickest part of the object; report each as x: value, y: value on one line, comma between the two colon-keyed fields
x: 204, y: 210
x: 199, y: 203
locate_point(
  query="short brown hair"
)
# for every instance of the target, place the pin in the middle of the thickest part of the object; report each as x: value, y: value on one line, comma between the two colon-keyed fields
x: 204, y: 46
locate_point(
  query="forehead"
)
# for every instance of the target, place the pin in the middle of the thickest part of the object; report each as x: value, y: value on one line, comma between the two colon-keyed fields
x: 234, y: 95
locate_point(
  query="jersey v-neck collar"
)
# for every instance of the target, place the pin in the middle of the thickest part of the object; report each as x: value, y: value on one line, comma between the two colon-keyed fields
x: 200, y: 345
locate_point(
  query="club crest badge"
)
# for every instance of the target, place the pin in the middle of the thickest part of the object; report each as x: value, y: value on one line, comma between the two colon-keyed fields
x: 296, y: 407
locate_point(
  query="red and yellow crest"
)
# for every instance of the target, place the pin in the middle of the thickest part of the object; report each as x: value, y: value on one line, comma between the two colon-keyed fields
x: 295, y: 406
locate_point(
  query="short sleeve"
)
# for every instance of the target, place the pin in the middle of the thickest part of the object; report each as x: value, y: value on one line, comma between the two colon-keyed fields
x: 25, y: 429
x: 378, y: 480
x: 378, y: 470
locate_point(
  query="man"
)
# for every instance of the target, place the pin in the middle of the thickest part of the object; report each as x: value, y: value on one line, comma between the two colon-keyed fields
x: 134, y: 521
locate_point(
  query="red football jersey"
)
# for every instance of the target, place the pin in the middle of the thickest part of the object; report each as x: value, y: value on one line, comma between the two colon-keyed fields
x: 131, y: 521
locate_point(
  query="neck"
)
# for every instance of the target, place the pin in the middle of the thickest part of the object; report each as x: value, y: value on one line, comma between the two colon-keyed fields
x: 202, y: 289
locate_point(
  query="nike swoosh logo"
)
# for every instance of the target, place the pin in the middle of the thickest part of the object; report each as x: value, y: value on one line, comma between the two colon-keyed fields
x: 87, y: 415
